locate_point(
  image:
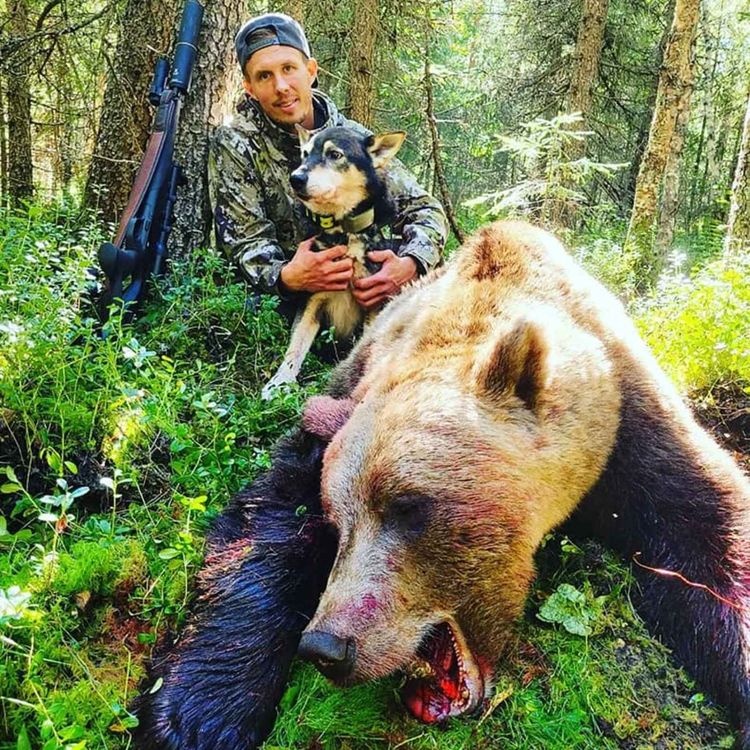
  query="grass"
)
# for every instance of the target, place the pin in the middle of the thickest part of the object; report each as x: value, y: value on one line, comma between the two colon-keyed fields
x: 116, y: 453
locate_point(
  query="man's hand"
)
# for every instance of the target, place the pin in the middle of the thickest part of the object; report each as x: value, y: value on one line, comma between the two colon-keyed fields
x: 381, y: 286
x: 325, y: 271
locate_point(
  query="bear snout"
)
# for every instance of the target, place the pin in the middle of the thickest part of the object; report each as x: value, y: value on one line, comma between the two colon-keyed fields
x: 332, y: 655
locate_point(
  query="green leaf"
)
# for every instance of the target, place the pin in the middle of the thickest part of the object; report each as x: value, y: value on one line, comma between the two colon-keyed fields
x: 10, y: 487
x: 53, y: 460
x: 169, y: 553
x: 11, y: 474
x: 23, y: 740
x: 570, y: 608
x: 289, y: 697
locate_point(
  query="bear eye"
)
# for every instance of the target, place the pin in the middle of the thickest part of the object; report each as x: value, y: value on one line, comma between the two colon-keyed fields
x: 408, y: 515
x: 335, y: 155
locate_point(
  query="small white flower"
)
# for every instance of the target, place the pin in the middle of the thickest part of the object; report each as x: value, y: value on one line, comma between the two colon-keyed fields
x: 13, y: 603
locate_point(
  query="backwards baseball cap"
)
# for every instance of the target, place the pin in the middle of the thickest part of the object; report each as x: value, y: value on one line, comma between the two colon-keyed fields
x: 279, y: 29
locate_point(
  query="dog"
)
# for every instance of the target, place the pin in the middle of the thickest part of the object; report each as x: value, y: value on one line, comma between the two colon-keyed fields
x: 343, y: 197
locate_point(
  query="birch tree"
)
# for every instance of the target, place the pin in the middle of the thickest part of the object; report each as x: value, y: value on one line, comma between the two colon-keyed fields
x: 676, y: 76
x: 738, y: 224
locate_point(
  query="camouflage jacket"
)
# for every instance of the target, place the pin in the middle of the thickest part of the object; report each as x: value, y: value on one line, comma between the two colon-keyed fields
x: 249, y: 164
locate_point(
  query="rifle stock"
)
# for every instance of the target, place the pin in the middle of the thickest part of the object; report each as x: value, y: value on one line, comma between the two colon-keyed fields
x: 140, y: 245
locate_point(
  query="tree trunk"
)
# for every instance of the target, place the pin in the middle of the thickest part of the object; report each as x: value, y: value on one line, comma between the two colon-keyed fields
x: 712, y: 46
x: 670, y: 196
x: 675, y: 77
x: 442, y: 183
x: 738, y: 224
x: 645, y: 121
x: 20, y: 171
x: 63, y: 157
x: 213, y: 95
x: 3, y: 147
x: 362, y: 59
x: 582, y: 79
x: 125, y: 122
x: 588, y: 54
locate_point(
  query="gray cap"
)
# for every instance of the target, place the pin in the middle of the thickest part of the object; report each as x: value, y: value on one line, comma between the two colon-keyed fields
x: 282, y: 29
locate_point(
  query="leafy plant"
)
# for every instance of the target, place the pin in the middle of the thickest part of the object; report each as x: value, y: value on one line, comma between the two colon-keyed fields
x: 550, y: 178
x: 572, y: 609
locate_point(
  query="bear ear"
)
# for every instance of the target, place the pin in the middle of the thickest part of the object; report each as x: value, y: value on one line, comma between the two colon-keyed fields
x: 324, y: 416
x: 517, y: 365
x: 384, y: 147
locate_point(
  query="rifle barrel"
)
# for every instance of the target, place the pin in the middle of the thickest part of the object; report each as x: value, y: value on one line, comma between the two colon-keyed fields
x: 186, y: 47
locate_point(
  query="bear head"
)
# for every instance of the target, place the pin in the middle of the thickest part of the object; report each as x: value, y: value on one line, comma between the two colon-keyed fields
x: 441, y: 477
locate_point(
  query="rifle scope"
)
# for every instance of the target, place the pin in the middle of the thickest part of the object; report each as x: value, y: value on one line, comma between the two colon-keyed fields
x: 186, y: 47
x: 161, y: 71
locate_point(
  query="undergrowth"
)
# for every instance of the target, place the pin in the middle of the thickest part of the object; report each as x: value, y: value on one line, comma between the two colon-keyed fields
x: 117, y: 451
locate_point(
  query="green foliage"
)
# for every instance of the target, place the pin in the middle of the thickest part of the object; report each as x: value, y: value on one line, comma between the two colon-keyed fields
x: 99, y: 567
x: 114, y: 455
x: 699, y: 327
x: 607, y: 261
x: 549, y: 177
x: 575, y: 610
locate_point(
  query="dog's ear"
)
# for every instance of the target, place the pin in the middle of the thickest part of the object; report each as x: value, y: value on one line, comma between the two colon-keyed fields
x: 384, y: 147
x: 324, y: 416
x: 517, y: 365
x: 303, y: 133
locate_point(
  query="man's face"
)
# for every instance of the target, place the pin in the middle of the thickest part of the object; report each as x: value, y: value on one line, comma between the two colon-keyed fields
x: 280, y: 79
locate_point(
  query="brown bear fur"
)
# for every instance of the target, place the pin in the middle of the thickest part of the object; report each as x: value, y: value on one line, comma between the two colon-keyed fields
x: 482, y: 408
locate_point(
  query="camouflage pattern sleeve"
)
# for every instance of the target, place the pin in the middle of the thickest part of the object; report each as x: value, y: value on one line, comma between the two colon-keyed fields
x: 420, y: 218
x: 243, y: 230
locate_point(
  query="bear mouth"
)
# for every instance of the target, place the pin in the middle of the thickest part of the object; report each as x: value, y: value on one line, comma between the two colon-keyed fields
x: 444, y: 680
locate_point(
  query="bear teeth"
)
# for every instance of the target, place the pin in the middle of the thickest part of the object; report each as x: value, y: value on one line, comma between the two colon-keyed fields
x: 457, y: 652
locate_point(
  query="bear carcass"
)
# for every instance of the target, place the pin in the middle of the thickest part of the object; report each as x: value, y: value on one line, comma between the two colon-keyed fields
x: 484, y: 406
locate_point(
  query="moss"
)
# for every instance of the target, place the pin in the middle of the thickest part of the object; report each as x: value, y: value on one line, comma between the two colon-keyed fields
x: 99, y: 568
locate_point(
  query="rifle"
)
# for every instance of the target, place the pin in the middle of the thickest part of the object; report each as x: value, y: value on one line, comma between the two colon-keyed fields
x: 140, y: 246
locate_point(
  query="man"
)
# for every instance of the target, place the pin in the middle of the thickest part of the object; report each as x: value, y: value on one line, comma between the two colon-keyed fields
x: 252, y: 157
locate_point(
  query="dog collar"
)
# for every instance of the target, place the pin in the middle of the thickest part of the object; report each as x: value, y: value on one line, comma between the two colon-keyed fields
x: 350, y: 224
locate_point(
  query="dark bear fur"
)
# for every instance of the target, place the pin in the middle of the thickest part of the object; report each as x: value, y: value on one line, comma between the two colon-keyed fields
x: 676, y: 518
x: 266, y: 564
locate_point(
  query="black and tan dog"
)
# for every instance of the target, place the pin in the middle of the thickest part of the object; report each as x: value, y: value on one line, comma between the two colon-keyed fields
x: 344, y: 200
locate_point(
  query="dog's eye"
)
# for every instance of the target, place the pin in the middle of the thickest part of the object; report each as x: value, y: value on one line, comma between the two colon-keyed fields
x: 335, y: 155
x: 408, y: 515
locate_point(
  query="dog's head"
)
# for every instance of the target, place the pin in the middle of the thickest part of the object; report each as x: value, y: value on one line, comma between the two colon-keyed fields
x: 339, y: 168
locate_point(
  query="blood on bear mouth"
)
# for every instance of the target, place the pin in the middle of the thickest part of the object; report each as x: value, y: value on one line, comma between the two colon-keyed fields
x: 445, y: 679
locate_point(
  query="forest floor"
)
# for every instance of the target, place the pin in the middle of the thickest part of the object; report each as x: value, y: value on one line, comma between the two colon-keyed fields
x: 116, y: 454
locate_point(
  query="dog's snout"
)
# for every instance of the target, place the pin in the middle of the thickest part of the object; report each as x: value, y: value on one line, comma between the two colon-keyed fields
x: 332, y: 655
x: 298, y: 180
